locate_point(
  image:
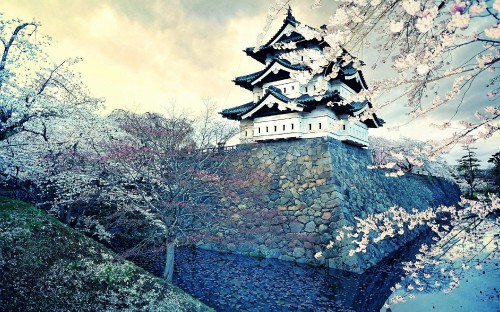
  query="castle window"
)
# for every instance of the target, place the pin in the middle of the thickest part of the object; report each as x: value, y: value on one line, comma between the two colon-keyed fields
x: 306, y: 89
x: 259, y: 129
x: 320, y: 125
x: 310, y: 127
x: 343, y: 127
x: 275, y: 128
x: 292, y: 126
x: 283, y: 127
x: 267, y: 129
x: 293, y: 88
x: 246, y: 134
x: 284, y: 90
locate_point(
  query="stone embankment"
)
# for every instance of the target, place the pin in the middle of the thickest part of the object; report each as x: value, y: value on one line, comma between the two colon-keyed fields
x: 315, y: 187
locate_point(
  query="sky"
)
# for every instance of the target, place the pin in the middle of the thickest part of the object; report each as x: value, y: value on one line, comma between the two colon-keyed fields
x: 151, y: 54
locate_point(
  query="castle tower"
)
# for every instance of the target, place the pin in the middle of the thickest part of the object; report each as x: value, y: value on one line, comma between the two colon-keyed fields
x: 283, y: 108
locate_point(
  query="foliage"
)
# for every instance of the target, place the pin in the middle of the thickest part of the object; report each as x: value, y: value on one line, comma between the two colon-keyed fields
x: 32, y: 88
x: 463, y: 237
x: 495, y: 159
x: 46, y: 266
x: 211, y: 131
x: 81, y: 166
x: 495, y: 171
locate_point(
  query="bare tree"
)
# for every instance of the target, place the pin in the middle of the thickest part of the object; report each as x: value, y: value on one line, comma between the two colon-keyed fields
x: 211, y: 130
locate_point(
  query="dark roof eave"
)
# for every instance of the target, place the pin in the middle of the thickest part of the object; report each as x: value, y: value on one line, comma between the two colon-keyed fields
x: 374, y: 122
x: 235, y: 113
x: 243, y: 85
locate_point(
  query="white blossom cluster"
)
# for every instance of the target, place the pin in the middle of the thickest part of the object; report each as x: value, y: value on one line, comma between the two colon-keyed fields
x: 464, y: 236
x: 407, y: 156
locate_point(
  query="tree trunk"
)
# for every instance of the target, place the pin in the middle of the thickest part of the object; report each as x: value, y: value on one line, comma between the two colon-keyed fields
x: 168, y: 273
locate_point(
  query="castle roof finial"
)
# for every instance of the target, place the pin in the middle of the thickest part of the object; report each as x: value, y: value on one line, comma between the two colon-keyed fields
x: 289, y: 12
x: 289, y: 15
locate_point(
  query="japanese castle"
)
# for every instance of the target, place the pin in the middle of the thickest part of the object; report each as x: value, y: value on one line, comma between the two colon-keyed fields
x: 282, y: 108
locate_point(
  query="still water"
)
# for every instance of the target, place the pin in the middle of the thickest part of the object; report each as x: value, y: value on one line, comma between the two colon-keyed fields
x: 229, y: 282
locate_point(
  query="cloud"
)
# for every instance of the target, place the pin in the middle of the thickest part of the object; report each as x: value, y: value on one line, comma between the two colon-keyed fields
x: 146, y: 53
x: 142, y: 55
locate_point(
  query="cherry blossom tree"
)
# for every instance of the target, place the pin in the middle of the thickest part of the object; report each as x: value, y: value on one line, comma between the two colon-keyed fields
x: 78, y: 163
x: 430, y: 55
x: 44, y: 106
x: 153, y: 165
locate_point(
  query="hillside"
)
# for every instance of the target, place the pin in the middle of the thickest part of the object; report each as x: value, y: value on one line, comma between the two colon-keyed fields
x: 47, y: 266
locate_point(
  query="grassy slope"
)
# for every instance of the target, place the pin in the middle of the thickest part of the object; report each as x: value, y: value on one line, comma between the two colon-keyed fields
x: 47, y: 266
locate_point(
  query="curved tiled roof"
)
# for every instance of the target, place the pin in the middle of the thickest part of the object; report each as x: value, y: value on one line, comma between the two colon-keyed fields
x: 246, y: 81
x: 349, y: 70
x: 329, y: 95
x: 279, y: 95
x: 242, y: 109
x: 249, y: 77
x: 289, y: 20
x: 305, y: 101
x: 294, y: 36
x: 374, y: 122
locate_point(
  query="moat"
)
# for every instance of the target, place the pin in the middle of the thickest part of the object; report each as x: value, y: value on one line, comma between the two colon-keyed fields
x: 231, y: 282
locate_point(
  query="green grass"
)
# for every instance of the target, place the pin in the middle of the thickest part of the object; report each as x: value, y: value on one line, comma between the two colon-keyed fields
x: 47, y: 266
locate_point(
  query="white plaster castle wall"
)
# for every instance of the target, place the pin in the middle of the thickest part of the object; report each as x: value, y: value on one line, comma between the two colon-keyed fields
x: 355, y: 133
x: 320, y: 122
x: 293, y: 89
x: 246, y: 131
x: 323, y: 122
x: 282, y: 126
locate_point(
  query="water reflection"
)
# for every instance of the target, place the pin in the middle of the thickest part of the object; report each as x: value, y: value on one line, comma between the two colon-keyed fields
x: 229, y: 282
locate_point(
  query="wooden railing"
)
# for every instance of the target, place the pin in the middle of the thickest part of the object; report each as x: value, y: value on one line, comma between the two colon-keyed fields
x: 218, y: 149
